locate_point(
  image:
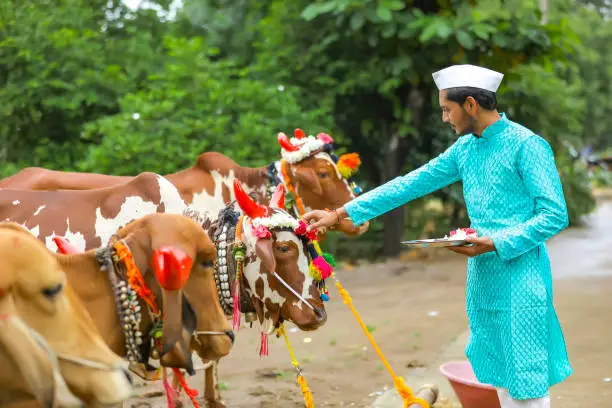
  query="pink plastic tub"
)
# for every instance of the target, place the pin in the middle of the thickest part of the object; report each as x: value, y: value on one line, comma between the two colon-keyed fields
x: 471, y: 393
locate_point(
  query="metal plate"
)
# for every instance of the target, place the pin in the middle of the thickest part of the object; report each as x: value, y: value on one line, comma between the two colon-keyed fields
x: 435, y: 243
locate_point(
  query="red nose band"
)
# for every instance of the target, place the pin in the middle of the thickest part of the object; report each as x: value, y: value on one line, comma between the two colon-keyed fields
x: 172, y: 267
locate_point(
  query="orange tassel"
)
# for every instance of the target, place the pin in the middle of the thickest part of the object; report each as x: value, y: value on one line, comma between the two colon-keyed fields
x: 134, y: 277
x: 191, y: 392
x: 348, y: 164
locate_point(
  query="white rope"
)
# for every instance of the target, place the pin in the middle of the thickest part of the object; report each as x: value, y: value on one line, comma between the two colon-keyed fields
x: 294, y: 292
x: 53, y: 356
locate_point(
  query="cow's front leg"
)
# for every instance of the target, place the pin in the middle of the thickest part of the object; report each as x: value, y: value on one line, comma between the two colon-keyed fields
x: 212, y: 395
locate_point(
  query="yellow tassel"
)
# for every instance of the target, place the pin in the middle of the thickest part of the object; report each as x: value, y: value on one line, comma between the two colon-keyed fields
x: 314, y: 272
x: 308, y: 401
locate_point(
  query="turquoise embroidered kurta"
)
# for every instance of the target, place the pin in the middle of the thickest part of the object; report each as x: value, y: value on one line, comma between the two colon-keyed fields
x: 513, y: 195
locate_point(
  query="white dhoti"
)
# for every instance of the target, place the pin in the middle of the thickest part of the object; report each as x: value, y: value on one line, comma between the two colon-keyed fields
x: 507, y: 401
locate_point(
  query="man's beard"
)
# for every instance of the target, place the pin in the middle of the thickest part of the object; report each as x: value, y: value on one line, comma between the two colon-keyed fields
x: 471, y: 127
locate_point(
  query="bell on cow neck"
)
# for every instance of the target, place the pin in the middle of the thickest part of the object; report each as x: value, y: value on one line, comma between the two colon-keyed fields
x: 250, y: 317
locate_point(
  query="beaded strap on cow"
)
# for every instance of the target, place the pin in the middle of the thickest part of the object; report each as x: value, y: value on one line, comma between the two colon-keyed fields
x: 223, y: 234
x: 126, y: 303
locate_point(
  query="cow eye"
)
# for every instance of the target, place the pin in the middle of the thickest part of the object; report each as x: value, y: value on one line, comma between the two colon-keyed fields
x: 209, y: 263
x: 323, y: 174
x: 283, y: 248
x: 52, y: 291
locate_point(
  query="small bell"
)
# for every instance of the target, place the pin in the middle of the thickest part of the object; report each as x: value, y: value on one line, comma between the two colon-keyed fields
x: 155, y: 354
x: 250, y: 317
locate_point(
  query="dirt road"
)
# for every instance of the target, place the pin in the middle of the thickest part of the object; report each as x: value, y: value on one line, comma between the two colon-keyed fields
x: 414, y: 308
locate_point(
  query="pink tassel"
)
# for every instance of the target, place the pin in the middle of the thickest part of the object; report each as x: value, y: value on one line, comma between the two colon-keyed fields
x: 263, y: 346
x: 236, y: 313
x: 321, y: 264
x: 171, y: 394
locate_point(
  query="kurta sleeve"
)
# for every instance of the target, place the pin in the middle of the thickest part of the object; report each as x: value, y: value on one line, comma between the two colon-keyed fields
x: 536, y: 166
x: 435, y: 174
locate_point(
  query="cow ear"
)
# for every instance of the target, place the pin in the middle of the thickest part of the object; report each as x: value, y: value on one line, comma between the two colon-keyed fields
x: 307, y: 178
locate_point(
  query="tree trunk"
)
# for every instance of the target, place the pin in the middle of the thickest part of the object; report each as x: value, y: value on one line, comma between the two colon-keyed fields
x: 393, y: 221
x: 395, y: 158
x: 544, y: 11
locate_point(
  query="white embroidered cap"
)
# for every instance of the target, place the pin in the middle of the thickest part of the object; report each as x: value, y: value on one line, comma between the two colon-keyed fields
x: 467, y: 75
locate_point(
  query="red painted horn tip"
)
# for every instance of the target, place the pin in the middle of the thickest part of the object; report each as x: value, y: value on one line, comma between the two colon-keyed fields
x: 285, y: 143
x: 299, y: 133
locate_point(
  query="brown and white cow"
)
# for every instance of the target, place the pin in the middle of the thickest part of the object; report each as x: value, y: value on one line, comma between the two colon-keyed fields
x: 89, y: 218
x: 44, y: 329
x: 308, y: 164
x: 276, y: 278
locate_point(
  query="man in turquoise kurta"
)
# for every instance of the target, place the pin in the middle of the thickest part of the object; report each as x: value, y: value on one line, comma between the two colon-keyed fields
x: 515, y: 202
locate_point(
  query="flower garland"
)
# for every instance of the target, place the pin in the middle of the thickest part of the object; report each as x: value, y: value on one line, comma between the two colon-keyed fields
x: 306, y: 145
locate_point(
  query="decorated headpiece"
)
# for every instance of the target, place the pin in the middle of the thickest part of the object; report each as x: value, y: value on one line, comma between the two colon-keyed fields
x: 300, y: 147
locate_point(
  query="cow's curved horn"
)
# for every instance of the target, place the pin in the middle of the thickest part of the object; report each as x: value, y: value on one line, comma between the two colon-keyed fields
x: 285, y: 143
x: 299, y: 133
x: 246, y: 203
x: 278, y: 198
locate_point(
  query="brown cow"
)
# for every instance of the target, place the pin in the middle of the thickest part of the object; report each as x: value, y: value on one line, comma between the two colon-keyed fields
x: 156, y: 240
x: 308, y: 165
x: 42, y: 319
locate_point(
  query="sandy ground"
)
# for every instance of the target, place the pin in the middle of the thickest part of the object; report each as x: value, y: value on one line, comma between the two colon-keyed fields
x: 415, y: 308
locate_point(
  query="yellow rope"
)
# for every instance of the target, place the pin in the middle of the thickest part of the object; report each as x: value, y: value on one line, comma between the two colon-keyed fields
x: 403, y: 390
x: 308, y: 401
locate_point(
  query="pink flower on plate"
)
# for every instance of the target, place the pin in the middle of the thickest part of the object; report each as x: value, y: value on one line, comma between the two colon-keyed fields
x: 262, y: 232
x: 466, y: 231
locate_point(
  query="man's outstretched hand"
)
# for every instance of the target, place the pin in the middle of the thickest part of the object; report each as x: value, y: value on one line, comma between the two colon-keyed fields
x: 320, y: 219
x: 480, y: 245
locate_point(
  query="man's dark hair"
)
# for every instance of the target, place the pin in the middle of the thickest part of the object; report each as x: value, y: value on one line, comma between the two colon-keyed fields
x: 486, y: 99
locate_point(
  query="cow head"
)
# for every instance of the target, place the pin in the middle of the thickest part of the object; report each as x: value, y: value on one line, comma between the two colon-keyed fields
x: 181, y: 257
x: 277, y: 265
x: 320, y: 178
x: 51, y: 317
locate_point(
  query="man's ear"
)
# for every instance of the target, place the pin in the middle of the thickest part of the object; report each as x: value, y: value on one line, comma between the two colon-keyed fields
x: 470, y: 105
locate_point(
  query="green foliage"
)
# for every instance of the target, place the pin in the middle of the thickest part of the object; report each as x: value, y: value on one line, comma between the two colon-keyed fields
x: 193, y: 105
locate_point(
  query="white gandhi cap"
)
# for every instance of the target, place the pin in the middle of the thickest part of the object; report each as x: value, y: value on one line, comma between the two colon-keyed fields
x: 467, y: 75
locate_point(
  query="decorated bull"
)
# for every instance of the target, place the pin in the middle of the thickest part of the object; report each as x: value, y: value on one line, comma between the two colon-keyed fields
x: 315, y: 178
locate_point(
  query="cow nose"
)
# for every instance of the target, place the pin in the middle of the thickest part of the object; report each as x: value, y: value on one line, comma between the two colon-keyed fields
x: 231, y: 335
x: 321, y: 314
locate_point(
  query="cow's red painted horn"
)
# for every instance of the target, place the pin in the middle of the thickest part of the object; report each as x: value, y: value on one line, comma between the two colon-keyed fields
x: 247, y: 204
x: 285, y: 143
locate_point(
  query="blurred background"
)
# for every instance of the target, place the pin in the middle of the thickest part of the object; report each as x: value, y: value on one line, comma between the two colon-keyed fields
x: 122, y: 87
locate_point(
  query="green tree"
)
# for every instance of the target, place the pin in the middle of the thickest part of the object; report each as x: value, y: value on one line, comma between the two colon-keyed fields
x: 191, y: 106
